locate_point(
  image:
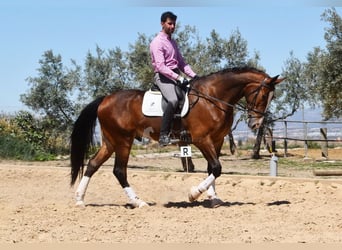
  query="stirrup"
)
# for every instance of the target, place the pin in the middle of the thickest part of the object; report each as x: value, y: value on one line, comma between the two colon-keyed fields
x: 164, y: 140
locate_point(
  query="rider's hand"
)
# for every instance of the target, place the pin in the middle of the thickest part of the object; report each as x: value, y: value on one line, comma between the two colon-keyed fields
x: 181, y: 81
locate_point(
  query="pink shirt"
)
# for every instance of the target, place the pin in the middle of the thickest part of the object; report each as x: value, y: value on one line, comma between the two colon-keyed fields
x: 166, y: 57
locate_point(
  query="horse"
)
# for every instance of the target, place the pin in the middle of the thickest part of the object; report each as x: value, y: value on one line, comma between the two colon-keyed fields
x: 212, y: 99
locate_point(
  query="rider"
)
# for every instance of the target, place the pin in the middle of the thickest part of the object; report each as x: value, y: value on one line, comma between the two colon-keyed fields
x: 168, y: 65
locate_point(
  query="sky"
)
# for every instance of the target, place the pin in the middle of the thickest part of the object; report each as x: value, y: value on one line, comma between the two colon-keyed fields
x: 71, y: 28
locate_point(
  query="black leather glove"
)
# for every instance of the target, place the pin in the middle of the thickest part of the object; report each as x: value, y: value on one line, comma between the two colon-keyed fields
x: 182, y: 82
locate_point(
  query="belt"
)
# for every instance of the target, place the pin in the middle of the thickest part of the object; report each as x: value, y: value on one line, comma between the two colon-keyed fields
x: 176, y: 70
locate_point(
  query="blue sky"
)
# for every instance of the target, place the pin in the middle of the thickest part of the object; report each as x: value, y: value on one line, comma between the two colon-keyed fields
x: 73, y: 27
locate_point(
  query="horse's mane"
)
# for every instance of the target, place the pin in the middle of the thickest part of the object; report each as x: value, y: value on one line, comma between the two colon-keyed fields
x: 238, y: 70
x: 242, y: 70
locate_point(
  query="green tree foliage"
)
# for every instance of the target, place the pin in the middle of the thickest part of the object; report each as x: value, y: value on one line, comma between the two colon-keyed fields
x: 52, y: 91
x: 106, y: 72
x: 51, y: 96
x: 31, y: 130
x: 139, y: 62
x: 215, y: 53
x: 22, y: 137
x: 292, y: 93
x: 193, y: 49
x: 318, y: 80
x: 324, y: 68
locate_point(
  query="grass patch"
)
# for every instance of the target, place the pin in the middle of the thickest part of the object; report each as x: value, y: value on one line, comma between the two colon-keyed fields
x: 301, y: 164
x: 15, y: 148
x: 327, y: 165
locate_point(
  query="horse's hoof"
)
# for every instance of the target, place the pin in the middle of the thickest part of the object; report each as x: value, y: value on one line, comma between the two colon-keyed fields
x: 139, y: 204
x: 80, y: 204
x: 194, y: 194
x: 216, y: 202
x: 142, y: 204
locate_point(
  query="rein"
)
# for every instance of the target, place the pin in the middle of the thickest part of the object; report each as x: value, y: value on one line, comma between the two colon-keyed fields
x: 238, y: 106
x: 199, y: 94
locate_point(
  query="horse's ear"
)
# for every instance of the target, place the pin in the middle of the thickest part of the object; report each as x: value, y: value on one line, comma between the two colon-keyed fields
x: 275, y: 80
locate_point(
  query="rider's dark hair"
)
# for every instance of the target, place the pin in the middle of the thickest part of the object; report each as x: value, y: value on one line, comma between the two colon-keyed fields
x: 166, y: 15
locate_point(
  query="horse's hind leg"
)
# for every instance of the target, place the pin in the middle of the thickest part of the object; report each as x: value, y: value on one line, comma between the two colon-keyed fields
x: 120, y: 172
x: 93, y: 165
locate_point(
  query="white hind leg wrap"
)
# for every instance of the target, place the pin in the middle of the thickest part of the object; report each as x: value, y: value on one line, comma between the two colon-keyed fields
x: 82, y: 188
x: 130, y: 193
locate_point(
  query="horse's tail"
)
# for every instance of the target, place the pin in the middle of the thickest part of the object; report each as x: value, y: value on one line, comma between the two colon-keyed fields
x: 82, y: 138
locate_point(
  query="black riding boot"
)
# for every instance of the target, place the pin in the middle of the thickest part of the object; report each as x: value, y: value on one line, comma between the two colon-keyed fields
x: 164, y: 138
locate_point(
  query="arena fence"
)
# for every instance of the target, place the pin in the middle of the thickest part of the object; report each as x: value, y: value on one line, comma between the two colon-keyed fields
x: 322, y: 132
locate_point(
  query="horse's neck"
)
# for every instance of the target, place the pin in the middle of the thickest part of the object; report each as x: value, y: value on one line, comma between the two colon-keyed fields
x: 230, y: 88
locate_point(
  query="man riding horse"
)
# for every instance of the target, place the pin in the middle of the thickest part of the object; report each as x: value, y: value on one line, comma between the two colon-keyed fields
x: 168, y: 65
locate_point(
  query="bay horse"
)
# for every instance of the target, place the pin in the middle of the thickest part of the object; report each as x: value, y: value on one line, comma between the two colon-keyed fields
x: 212, y: 99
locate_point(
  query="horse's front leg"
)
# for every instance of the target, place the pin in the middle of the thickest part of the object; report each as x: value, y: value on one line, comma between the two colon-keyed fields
x: 196, y: 191
x: 208, y: 184
x: 212, y: 196
x: 120, y: 172
x: 211, y: 192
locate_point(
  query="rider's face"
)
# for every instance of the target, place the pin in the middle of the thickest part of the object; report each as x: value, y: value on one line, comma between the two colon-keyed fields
x: 169, y: 26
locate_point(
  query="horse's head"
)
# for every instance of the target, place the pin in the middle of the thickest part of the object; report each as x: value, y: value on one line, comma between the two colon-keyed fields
x: 258, y: 96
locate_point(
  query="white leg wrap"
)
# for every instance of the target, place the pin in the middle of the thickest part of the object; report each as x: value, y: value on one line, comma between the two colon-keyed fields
x: 81, y: 190
x: 204, y: 185
x: 195, y: 192
x: 214, y: 200
x: 134, y: 199
x: 211, y: 191
x: 130, y: 193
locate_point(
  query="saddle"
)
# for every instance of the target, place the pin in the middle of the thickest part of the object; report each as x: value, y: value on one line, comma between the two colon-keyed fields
x: 154, y: 104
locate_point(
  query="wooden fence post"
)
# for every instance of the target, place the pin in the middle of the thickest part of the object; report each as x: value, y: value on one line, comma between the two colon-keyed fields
x: 285, y: 139
x: 305, y: 140
x: 324, y: 144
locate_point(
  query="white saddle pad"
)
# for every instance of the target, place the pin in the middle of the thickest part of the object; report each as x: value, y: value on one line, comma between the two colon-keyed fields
x: 152, y: 104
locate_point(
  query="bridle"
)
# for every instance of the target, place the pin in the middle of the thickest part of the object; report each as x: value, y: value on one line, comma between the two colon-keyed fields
x: 251, y: 106
x: 239, y: 106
